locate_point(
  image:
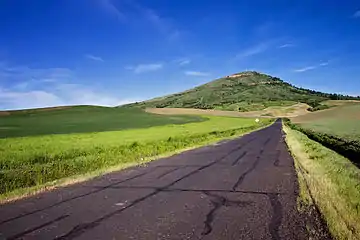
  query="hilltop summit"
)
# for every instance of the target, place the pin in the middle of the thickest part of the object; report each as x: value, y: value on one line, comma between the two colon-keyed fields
x: 243, y: 91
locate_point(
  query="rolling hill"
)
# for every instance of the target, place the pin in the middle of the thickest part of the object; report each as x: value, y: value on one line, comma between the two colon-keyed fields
x: 245, y: 91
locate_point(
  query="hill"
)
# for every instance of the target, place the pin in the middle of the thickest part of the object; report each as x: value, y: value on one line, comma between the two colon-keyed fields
x: 245, y: 91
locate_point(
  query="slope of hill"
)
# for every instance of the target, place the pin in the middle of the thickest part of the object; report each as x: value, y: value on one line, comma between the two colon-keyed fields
x: 246, y: 91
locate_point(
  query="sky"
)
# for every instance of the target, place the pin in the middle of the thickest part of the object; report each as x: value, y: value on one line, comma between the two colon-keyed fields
x: 113, y: 52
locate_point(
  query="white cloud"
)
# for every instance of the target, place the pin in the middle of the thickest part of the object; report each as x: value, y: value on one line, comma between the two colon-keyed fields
x: 32, y: 99
x: 312, y: 67
x: 256, y: 49
x: 304, y: 69
x: 94, y: 58
x: 63, y: 95
x: 324, y: 64
x: 286, y: 45
x: 34, y: 88
x: 197, y: 73
x: 357, y: 14
x: 183, y: 61
x: 141, y: 68
x: 25, y: 73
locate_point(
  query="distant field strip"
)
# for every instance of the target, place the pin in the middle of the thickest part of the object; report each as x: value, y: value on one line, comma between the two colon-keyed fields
x: 33, y: 161
x: 342, y: 121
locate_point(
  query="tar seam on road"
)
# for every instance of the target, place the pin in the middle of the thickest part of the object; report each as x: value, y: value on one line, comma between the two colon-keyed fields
x: 220, y: 201
x: 19, y: 235
x: 73, y: 198
x: 79, y: 229
x: 253, y: 166
x: 276, y: 216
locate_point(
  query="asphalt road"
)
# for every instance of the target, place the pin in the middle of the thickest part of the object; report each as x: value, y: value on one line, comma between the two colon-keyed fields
x: 240, y: 189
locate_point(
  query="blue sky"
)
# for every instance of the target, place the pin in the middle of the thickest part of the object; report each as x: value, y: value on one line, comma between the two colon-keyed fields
x: 110, y: 52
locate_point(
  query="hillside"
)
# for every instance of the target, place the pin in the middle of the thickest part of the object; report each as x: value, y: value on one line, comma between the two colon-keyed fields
x: 245, y: 91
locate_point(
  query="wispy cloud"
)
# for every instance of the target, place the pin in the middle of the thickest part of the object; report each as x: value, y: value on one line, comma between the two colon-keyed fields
x: 109, y: 7
x: 357, y: 14
x: 133, y: 11
x: 197, y: 73
x: 312, y: 67
x: 62, y: 95
x: 253, y: 50
x: 324, y: 64
x: 25, y: 87
x: 94, y: 58
x: 286, y: 45
x: 26, y: 74
x: 162, y: 24
x: 183, y: 61
x: 304, y: 69
x: 141, y: 68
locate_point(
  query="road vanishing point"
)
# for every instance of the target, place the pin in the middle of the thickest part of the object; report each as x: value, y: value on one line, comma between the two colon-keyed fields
x: 238, y: 189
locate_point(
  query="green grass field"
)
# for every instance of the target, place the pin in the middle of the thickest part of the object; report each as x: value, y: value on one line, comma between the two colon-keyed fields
x: 342, y: 121
x: 36, y: 160
x: 81, y: 119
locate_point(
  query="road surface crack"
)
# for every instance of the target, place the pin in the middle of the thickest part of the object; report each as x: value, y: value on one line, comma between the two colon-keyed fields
x: 168, y: 172
x: 20, y: 235
x: 277, y: 158
x: 239, y: 158
x: 252, y: 168
x: 218, y: 202
x: 276, y: 216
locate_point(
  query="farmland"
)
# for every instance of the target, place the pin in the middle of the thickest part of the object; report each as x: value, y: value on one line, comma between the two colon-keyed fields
x: 341, y: 121
x: 33, y: 161
x: 81, y: 119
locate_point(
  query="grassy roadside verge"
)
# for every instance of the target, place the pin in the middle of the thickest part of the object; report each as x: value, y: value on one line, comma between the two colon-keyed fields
x: 20, y: 178
x: 328, y: 180
x: 349, y: 148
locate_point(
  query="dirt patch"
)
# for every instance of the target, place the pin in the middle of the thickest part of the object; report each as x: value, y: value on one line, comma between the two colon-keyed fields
x: 290, y: 111
x: 4, y: 113
x: 191, y: 111
x: 239, y: 75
